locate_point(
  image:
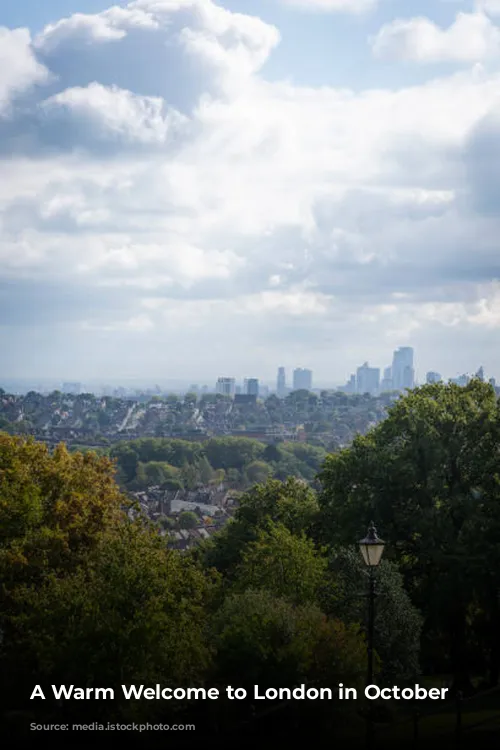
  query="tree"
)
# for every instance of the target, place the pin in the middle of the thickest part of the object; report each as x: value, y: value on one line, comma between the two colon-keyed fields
x: 398, y: 623
x: 286, y: 565
x: 232, y: 453
x: 291, y: 503
x: 188, y: 520
x: 428, y: 475
x: 127, y: 460
x: 132, y: 613
x: 258, y: 472
x: 266, y: 641
x: 205, y: 471
x: 272, y: 453
x: 190, y: 399
x: 189, y: 476
x: 52, y: 509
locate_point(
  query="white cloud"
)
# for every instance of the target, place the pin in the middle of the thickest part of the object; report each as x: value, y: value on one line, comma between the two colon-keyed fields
x: 279, y: 218
x: 19, y: 69
x: 491, y: 7
x: 118, y: 114
x: 472, y: 37
x: 187, y: 47
x: 333, y: 6
x: 110, y: 25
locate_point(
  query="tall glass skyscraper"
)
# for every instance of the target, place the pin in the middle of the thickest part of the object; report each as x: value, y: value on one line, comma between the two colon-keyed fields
x: 403, y: 373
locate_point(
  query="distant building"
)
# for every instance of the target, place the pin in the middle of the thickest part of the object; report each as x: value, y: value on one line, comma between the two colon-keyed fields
x: 238, y: 390
x: 302, y: 379
x: 226, y: 386
x: 433, y: 377
x: 251, y: 386
x: 480, y: 374
x: 350, y: 386
x: 492, y: 382
x: 367, y: 379
x: 461, y: 380
x: 281, y: 383
x: 403, y: 373
x: 386, y: 384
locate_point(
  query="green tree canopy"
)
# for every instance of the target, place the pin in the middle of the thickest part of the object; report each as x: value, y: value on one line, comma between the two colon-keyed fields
x: 188, y: 520
x: 264, y: 640
x: 287, y: 565
x: 428, y: 475
x: 291, y: 503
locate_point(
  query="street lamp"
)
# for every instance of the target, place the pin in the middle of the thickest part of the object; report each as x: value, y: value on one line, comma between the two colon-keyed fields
x: 371, y: 548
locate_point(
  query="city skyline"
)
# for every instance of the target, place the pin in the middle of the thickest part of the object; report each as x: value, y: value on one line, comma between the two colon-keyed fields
x: 366, y: 379
x: 315, y: 186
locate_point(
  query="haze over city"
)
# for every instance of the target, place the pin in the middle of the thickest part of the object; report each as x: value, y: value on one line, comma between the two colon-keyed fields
x: 265, y: 206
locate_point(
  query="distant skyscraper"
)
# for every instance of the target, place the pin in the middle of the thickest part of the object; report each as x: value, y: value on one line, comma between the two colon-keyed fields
x: 433, y: 377
x: 461, y: 380
x: 386, y: 383
x: 251, y: 386
x: 367, y: 379
x: 403, y: 374
x: 226, y: 386
x: 480, y: 374
x: 281, y: 383
x: 302, y: 379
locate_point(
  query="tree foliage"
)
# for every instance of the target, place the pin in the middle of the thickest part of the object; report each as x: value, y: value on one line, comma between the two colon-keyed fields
x: 429, y: 475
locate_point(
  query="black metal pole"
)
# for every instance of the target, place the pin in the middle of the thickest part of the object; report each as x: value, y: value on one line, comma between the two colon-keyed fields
x: 371, y: 621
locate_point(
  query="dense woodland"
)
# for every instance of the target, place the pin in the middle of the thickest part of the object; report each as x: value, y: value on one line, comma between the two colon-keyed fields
x: 240, y: 462
x: 90, y: 597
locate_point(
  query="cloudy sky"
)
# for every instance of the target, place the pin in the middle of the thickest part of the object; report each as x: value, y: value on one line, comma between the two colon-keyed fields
x: 192, y: 188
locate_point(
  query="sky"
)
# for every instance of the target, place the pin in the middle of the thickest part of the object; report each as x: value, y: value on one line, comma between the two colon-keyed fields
x: 192, y: 189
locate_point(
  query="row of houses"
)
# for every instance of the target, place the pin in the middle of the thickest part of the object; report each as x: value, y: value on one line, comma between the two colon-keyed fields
x: 212, y: 505
x: 212, y: 500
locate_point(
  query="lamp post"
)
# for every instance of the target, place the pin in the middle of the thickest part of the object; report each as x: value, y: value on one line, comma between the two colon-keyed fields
x: 371, y: 548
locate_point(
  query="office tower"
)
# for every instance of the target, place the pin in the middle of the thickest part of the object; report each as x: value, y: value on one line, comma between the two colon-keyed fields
x: 433, y: 377
x: 480, y: 374
x: 403, y: 374
x: 302, y: 379
x: 386, y: 383
x: 281, y: 383
x: 461, y: 380
x: 367, y: 379
x: 492, y: 382
x: 251, y: 387
x: 226, y: 386
x: 350, y: 386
